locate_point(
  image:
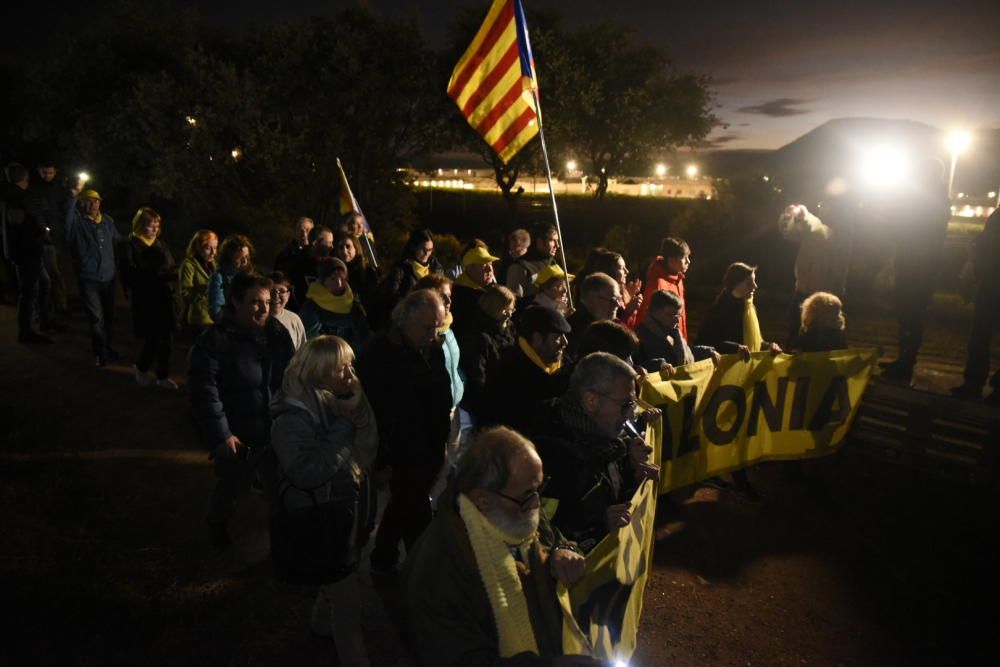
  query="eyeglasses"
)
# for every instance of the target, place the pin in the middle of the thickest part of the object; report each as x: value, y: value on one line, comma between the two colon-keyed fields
x: 625, y: 405
x: 281, y: 291
x: 525, y: 503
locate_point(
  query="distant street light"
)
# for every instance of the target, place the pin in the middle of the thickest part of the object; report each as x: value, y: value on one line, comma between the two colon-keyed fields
x: 237, y: 153
x: 692, y: 170
x: 571, y: 165
x: 661, y: 170
x: 191, y: 120
x: 958, y: 141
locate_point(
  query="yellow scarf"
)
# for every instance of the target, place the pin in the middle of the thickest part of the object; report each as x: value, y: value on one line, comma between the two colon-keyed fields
x: 535, y: 359
x: 466, y: 281
x: 752, y: 337
x: 144, y: 240
x: 498, y: 570
x: 327, y: 300
x: 96, y: 220
x: 419, y: 269
x: 448, y: 320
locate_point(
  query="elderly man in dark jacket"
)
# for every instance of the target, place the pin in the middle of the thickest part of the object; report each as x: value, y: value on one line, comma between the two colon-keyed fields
x: 594, y: 471
x: 234, y: 368
x: 600, y: 299
x: 489, y: 520
x: 404, y: 374
x: 526, y: 373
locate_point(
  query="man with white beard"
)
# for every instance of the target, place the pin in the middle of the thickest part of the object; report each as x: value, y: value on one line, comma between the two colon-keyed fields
x: 480, y: 583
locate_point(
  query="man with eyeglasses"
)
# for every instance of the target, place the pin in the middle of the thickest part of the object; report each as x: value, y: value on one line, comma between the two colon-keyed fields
x: 480, y: 583
x: 600, y: 299
x: 595, y: 471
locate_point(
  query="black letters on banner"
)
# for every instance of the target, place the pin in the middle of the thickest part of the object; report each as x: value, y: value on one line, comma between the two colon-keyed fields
x: 688, y: 443
x: 710, y: 420
x: 773, y: 411
x: 837, y: 394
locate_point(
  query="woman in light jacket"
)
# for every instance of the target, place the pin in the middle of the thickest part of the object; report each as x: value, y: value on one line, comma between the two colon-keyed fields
x: 324, y: 436
x: 196, y: 270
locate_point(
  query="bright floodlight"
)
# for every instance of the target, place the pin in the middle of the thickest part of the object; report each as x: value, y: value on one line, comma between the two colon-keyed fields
x: 692, y: 170
x: 959, y: 141
x: 885, y: 166
x: 571, y: 165
x: 661, y: 170
x: 83, y: 176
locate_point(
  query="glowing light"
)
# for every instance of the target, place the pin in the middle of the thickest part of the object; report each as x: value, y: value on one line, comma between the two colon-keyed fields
x: 692, y: 170
x: 766, y: 178
x: 191, y: 120
x: 83, y: 176
x: 991, y: 195
x: 885, y: 165
x: 237, y: 153
x: 959, y: 141
x: 661, y: 170
x: 571, y: 165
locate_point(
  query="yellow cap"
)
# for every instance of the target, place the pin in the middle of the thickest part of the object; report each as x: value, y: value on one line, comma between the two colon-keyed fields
x: 91, y: 194
x: 478, y: 256
x: 551, y: 272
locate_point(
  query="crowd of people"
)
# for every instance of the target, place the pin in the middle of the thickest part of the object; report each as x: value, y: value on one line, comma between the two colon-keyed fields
x: 475, y: 394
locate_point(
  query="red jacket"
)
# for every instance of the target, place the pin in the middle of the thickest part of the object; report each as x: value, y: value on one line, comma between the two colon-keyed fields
x: 657, y: 278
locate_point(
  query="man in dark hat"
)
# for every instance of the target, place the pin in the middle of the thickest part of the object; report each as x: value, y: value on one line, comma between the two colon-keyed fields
x: 526, y: 374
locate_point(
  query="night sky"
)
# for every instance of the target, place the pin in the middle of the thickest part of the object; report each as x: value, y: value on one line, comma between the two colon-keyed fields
x: 780, y: 68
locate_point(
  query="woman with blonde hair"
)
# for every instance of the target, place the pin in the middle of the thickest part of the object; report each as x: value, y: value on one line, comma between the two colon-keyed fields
x: 822, y: 324
x: 196, y: 270
x: 324, y: 438
x: 235, y: 255
x: 149, y: 276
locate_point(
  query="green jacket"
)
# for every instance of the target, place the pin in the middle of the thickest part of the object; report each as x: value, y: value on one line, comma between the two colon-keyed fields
x: 451, y: 621
x: 194, y: 293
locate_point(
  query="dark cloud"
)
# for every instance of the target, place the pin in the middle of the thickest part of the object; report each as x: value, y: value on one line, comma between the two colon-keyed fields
x: 777, y: 108
x: 720, y: 141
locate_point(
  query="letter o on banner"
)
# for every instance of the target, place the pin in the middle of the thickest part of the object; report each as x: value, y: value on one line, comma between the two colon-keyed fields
x: 710, y: 421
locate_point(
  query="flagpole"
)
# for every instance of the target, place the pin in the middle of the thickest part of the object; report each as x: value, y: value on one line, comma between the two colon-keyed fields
x: 552, y: 193
x: 356, y: 209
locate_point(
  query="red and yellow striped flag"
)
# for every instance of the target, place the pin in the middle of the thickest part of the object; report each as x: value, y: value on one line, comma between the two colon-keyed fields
x: 494, y: 81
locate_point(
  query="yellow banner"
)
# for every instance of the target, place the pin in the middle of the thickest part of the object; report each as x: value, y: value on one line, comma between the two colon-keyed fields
x: 601, y: 612
x: 715, y: 420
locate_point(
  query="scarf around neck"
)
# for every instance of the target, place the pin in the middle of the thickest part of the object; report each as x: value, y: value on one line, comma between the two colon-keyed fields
x: 535, y: 359
x: 148, y: 243
x: 752, y: 337
x: 498, y: 571
x: 465, y: 281
x: 327, y: 300
x: 420, y: 270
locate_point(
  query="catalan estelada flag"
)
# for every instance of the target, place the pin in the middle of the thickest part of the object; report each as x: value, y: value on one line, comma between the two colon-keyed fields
x: 494, y: 81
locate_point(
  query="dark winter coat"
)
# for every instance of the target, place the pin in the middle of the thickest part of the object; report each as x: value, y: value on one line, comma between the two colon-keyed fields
x: 820, y: 340
x: 399, y: 281
x: 449, y: 612
x: 657, y: 346
x: 24, y: 230
x: 515, y: 388
x: 723, y: 326
x: 480, y: 343
x: 149, y: 276
x: 232, y: 375
x: 578, y: 322
x: 352, y: 327
x: 587, y: 470
x: 410, y: 393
